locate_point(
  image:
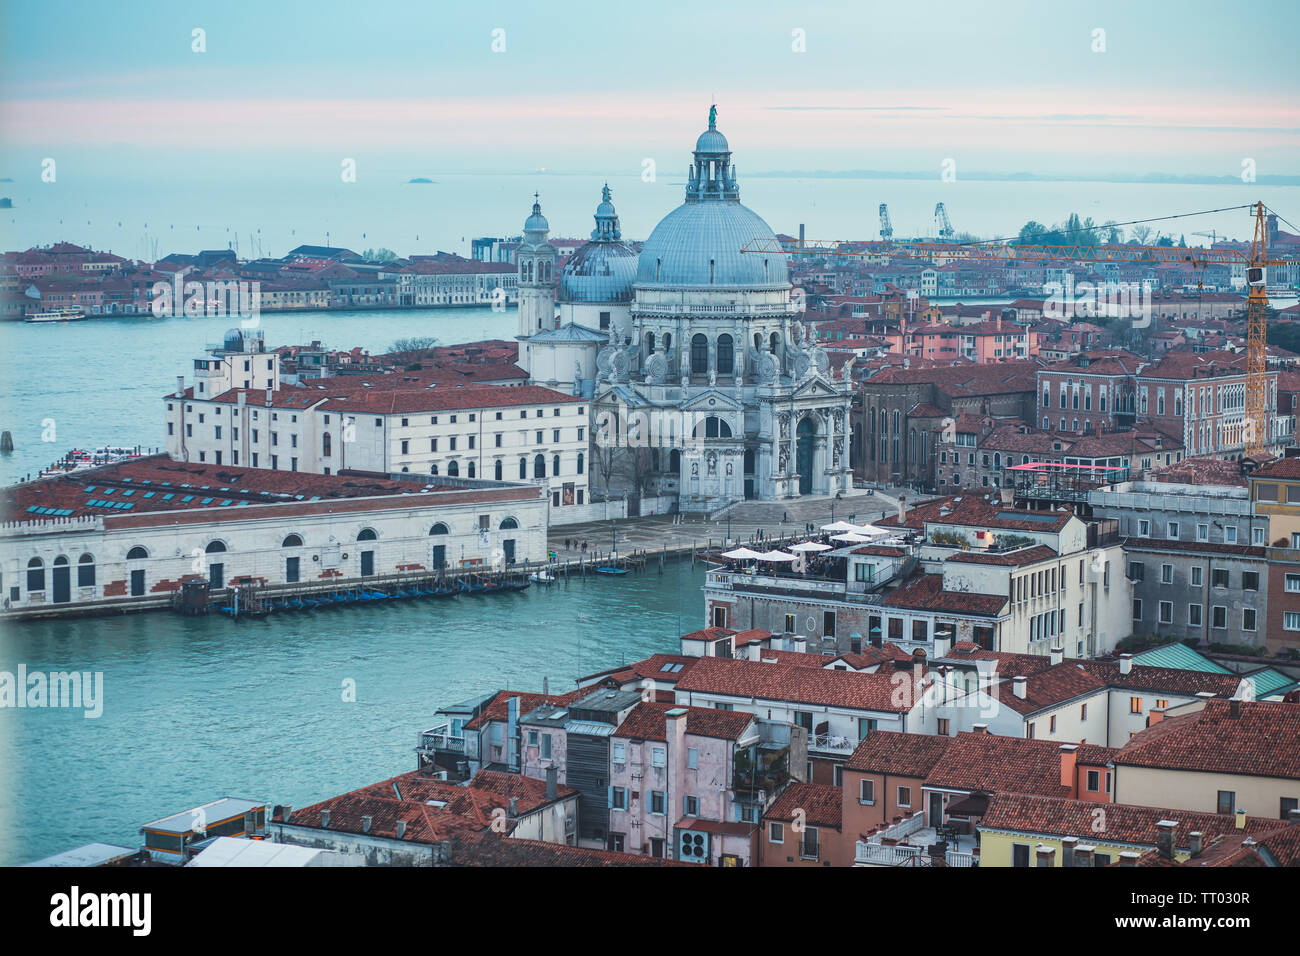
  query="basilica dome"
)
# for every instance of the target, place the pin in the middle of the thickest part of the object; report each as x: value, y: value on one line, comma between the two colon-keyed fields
x: 604, y: 269
x: 699, y: 242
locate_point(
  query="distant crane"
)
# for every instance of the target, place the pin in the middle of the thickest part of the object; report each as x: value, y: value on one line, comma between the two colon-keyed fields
x: 942, y: 225
x: 1211, y: 235
x: 886, y: 227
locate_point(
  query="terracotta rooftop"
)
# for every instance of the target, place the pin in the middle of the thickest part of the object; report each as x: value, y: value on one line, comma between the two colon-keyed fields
x: 1263, y: 740
x: 804, y: 685
x: 1125, y: 824
x: 491, y: 849
x: 822, y: 804
x: 650, y: 722
x: 925, y: 592
x: 996, y: 764
x: 897, y: 754
x: 1010, y: 559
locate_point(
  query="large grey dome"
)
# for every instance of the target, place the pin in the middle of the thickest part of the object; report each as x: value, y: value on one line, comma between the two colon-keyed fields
x: 699, y: 244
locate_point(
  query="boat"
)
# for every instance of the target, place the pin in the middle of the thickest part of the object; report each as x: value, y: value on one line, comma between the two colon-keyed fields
x: 542, y: 577
x: 56, y: 315
x: 611, y: 571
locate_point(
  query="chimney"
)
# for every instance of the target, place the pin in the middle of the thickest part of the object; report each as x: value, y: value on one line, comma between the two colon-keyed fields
x: 1126, y: 663
x: 902, y: 509
x: 514, y: 807
x: 1197, y: 840
x: 1165, y: 838
x: 1234, y: 708
x: 325, y: 819
x: 801, y: 233
x: 1241, y: 818
x: 1058, y: 655
x: 1083, y: 855
x: 1067, y: 851
x: 552, y: 783
x: 1156, y: 715
x: 366, y: 823
x: 1069, y: 754
x: 546, y: 686
x: 180, y: 386
x: 942, y: 645
x: 1018, y: 686
x: 1046, y: 855
x: 980, y: 729
x: 400, y: 829
x: 1129, y: 858
x: 268, y: 398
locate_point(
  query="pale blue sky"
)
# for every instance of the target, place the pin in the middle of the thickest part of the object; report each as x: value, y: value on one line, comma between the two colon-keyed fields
x: 1182, y: 87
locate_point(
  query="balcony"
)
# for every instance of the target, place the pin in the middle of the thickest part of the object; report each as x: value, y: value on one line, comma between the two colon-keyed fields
x: 911, y: 843
x: 440, y: 740
x: 831, y: 743
x: 760, y: 768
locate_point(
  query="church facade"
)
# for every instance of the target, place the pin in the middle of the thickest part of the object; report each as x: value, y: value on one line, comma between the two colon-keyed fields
x: 709, y: 387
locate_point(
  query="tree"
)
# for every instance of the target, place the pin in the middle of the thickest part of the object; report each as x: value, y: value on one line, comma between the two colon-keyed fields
x: 1031, y: 234
x: 420, y: 343
x: 380, y: 255
x: 1141, y: 234
x: 1113, y: 233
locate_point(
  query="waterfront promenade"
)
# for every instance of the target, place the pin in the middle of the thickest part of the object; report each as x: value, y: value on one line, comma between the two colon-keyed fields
x: 671, y: 533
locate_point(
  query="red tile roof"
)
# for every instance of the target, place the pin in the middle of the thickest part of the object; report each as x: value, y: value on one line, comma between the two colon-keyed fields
x: 925, y: 592
x: 491, y: 849
x: 1123, y: 823
x: 996, y: 764
x: 1010, y: 559
x: 1262, y: 741
x: 822, y: 804
x: 882, y: 691
x: 650, y: 722
x: 897, y: 754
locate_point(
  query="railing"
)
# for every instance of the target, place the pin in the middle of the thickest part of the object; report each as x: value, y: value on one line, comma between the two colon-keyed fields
x: 873, y: 854
x: 440, y: 739
x: 905, y: 828
x: 831, y: 742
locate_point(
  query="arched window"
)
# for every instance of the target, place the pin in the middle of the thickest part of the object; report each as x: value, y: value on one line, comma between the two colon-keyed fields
x: 758, y: 341
x: 668, y: 341
x: 453, y: 469
x: 325, y: 444
x: 498, y: 471
x: 433, y: 469
x: 137, y: 554
x: 699, y: 354
x: 36, y: 575
x: 292, y: 541
x: 539, y: 466
x: 650, y: 343
x: 470, y: 472
x: 726, y: 352
x: 675, y: 462
x: 555, y: 465
x: 86, y: 571
x: 439, y: 528
x: 509, y: 524
x: 367, y: 534
x: 523, y: 468
x: 713, y: 427
x: 582, y: 460
x: 216, y: 547
x: 776, y: 341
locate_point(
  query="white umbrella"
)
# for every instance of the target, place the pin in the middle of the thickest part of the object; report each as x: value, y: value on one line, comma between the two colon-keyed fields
x: 742, y: 554
x: 840, y: 526
x: 852, y: 537
x: 776, y: 556
x: 811, y: 546
x: 873, y: 530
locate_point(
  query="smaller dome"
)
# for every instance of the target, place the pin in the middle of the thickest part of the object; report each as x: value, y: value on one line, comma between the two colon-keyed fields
x: 712, y: 141
x: 536, y: 222
x: 233, y: 341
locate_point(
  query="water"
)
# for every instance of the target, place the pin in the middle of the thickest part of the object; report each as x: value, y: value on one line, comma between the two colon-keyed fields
x: 201, y: 708
x: 101, y: 382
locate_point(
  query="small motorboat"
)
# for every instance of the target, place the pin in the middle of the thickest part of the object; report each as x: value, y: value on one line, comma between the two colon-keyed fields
x: 611, y: 571
x: 542, y: 577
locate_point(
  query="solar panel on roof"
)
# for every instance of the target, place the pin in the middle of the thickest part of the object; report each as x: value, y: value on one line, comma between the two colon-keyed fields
x: 206, y: 501
x: 149, y: 494
x: 168, y: 497
x: 107, y: 491
x: 128, y: 493
x: 89, y: 488
x: 187, y: 498
x: 226, y: 502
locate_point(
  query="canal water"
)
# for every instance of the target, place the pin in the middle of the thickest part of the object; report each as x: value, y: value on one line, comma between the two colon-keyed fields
x: 200, y: 708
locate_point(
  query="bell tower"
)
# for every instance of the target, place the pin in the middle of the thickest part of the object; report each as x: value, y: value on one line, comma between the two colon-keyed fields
x: 536, y: 261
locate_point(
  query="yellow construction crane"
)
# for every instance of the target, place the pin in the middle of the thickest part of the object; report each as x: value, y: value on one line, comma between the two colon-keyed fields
x: 1255, y: 263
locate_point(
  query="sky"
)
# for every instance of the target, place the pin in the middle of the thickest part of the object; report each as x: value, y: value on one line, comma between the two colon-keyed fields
x: 286, y: 89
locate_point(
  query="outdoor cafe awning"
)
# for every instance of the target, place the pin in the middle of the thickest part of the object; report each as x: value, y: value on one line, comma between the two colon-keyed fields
x: 811, y: 546
x: 742, y: 554
x: 777, y: 556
